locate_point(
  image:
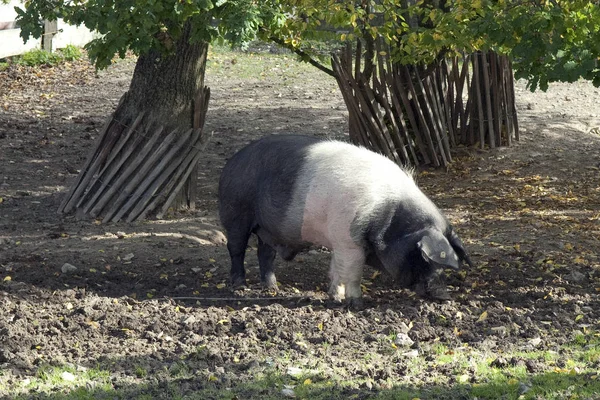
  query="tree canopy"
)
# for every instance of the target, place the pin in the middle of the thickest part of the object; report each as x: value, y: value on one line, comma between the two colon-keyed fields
x: 548, y: 40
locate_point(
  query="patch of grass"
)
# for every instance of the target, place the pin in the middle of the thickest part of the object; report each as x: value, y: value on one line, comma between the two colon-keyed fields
x: 48, y: 380
x: 226, y: 63
x: 141, y: 372
x: 71, y: 53
x: 39, y: 57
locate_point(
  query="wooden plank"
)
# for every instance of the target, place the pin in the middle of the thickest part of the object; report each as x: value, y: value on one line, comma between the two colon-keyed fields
x: 112, y: 167
x: 356, y: 123
x: 513, y: 107
x: 188, y: 167
x: 161, y: 177
x: 412, y: 117
x: 382, y: 133
x: 444, y: 123
x: 99, y: 157
x: 50, y: 29
x: 506, y: 100
x: 128, y: 194
x: 400, y: 118
x: 102, y: 138
x: 172, y: 186
x: 136, y: 160
x: 432, y: 112
x: 496, y: 96
x: 476, y: 86
x: 488, y: 100
x: 421, y: 114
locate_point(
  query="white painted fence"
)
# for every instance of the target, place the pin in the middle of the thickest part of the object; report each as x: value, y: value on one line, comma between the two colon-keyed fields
x: 11, y: 44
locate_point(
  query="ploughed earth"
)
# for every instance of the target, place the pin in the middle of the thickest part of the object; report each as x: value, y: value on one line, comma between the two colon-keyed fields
x: 149, y: 302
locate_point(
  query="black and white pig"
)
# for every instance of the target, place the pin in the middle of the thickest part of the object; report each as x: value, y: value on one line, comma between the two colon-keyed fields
x: 296, y: 191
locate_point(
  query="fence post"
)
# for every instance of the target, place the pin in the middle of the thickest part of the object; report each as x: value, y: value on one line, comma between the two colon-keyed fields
x: 50, y: 29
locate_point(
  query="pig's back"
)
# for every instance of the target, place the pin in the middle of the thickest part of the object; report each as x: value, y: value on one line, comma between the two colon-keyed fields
x: 338, y: 185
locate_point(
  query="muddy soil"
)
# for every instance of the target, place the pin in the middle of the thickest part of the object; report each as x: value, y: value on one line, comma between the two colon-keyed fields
x: 151, y: 296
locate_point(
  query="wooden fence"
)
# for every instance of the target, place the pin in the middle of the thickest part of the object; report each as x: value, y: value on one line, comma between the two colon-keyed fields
x: 416, y: 114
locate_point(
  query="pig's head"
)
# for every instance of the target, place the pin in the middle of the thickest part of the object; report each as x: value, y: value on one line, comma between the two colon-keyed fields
x: 416, y: 260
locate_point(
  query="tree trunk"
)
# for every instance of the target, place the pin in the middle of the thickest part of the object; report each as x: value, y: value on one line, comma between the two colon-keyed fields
x: 165, y: 86
x: 148, y: 150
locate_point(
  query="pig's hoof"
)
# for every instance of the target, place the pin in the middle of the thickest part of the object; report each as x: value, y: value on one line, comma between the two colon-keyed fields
x: 355, y: 303
x: 433, y: 292
x: 238, y: 283
x: 270, y: 284
x: 439, y: 293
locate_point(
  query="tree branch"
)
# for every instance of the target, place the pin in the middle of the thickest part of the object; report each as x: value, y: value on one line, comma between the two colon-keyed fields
x: 305, y: 56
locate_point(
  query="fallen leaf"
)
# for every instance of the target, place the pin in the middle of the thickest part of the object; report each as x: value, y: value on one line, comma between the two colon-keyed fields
x: 483, y: 316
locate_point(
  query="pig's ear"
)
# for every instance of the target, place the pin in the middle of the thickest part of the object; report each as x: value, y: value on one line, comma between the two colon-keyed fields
x: 436, y: 248
x: 458, y: 246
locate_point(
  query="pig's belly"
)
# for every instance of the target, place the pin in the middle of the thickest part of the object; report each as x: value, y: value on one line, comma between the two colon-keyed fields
x: 327, y: 220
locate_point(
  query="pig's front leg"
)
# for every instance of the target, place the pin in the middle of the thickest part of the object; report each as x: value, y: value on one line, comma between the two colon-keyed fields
x: 346, y: 273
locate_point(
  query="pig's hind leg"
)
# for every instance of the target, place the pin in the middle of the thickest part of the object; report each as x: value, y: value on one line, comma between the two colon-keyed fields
x: 237, y: 241
x: 266, y: 257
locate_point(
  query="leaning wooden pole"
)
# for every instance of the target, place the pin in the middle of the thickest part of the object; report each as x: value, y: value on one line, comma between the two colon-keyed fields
x: 138, y: 168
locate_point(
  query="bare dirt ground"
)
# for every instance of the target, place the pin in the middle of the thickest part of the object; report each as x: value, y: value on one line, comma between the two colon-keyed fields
x: 529, y: 215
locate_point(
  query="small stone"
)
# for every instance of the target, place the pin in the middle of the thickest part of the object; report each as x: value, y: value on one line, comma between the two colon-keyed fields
x: 294, y: 372
x: 535, y: 342
x: 67, y: 376
x: 411, y: 354
x: 499, y: 330
x: 576, y: 277
x: 523, y: 388
x: 288, y: 392
x: 68, y: 268
x: 499, y: 363
x: 402, y: 339
x: 128, y: 257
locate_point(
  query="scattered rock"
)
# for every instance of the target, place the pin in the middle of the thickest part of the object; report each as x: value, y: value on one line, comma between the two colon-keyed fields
x: 411, y: 354
x: 128, y: 257
x: 67, y: 376
x: 576, y: 277
x: 295, y: 372
x: 523, y: 388
x: 535, y: 342
x: 68, y: 268
x: 402, y: 339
